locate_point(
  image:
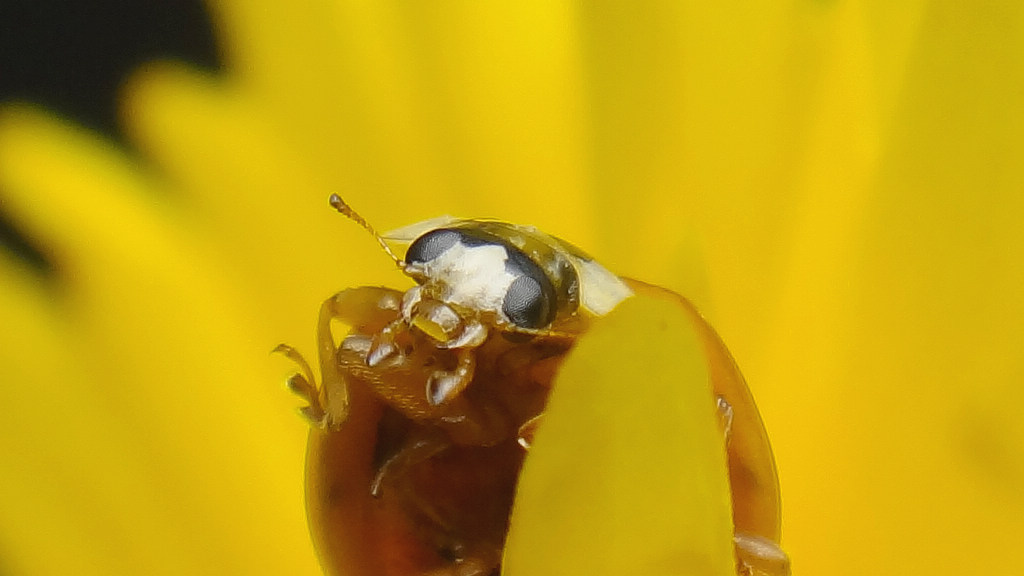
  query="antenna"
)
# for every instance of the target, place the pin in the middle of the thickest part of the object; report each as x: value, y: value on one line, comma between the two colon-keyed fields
x: 338, y: 204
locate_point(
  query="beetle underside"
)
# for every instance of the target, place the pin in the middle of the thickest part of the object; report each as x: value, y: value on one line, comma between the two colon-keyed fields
x: 406, y: 487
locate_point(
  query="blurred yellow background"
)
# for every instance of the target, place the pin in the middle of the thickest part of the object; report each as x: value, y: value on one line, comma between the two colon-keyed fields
x: 836, y: 183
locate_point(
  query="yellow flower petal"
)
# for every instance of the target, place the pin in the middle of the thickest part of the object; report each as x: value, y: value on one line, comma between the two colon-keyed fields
x: 251, y: 197
x: 627, y: 473
x: 157, y: 352
x: 58, y: 463
x: 463, y: 107
x: 889, y: 378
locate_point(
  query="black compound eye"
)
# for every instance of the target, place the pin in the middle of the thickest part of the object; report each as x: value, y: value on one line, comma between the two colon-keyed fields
x: 431, y: 245
x: 527, y: 304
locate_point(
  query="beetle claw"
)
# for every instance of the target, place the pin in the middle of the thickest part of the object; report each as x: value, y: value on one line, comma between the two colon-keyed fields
x: 381, y: 349
x: 759, y: 556
x: 303, y: 385
x: 300, y: 386
x: 725, y: 416
x: 314, y: 414
x: 294, y: 355
x: 443, y: 386
x: 527, y: 430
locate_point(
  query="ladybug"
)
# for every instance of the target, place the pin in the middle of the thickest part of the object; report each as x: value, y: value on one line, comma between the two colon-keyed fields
x: 425, y: 410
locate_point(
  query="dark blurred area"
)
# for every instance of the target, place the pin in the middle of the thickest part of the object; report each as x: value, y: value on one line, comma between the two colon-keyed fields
x: 71, y: 58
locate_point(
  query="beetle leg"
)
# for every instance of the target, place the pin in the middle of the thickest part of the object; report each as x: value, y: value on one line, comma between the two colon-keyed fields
x: 333, y: 389
x: 363, y: 309
x: 527, y: 430
x: 462, y: 552
x: 467, y: 567
x: 759, y: 556
x: 384, y: 346
x: 411, y: 453
x: 755, y: 555
x: 725, y: 416
x: 444, y: 385
x: 303, y: 384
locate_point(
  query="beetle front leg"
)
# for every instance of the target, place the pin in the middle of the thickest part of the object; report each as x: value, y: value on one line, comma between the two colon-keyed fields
x: 303, y: 384
x: 444, y: 385
x: 366, y: 309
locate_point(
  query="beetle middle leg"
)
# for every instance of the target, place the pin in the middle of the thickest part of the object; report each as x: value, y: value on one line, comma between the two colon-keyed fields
x: 396, y: 477
x: 413, y: 451
x: 444, y: 385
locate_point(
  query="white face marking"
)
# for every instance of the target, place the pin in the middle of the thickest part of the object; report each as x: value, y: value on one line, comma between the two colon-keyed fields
x: 472, y: 277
